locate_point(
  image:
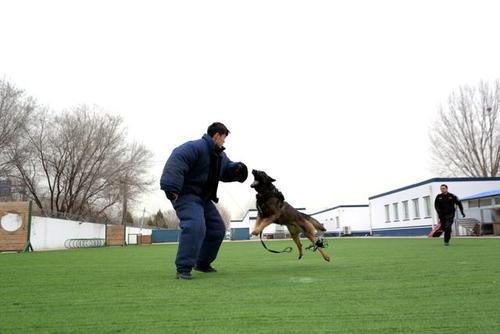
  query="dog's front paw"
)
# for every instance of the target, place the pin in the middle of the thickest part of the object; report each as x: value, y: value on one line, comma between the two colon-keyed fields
x: 300, y: 256
x: 254, y: 232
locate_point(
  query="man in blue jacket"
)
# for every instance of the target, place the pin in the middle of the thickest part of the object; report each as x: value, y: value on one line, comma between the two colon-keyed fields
x: 190, y: 179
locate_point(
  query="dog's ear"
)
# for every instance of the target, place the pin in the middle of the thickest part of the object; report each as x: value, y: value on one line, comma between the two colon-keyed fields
x: 271, y: 179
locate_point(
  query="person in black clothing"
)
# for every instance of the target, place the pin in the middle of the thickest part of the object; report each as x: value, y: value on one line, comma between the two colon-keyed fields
x: 445, y: 208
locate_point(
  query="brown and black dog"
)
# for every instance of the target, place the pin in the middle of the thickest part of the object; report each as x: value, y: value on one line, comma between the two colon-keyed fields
x: 272, y: 208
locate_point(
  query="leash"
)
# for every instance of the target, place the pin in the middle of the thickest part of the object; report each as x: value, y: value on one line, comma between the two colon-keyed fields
x: 285, y: 250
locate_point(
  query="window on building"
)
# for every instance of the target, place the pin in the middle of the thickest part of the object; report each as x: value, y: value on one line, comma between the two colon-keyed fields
x: 396, y: 211
x: 337, y: 220
x: 497, y: 200
x: 416, y: 208
x: 406, y: 211
x: 485, y: 202
x: 488, y: 216
x: 427, y: 206
x: 473, y: 203
x: 387, y: 214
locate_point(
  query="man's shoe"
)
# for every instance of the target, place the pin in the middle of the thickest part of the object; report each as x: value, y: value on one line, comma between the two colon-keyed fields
x: 208, y: 269
x: 183, y: 275
x: 446, y: 243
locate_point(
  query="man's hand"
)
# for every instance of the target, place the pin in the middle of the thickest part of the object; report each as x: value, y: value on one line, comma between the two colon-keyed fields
x: 242, y: 172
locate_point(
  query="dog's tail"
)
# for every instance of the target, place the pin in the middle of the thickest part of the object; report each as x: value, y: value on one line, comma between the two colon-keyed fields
x: 317, y: 225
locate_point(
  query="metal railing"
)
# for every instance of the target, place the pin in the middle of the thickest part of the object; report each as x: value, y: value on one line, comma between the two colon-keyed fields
x: 85, y: 243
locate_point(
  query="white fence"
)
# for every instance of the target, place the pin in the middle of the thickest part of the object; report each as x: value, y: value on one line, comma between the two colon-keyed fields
x: 51, y: 233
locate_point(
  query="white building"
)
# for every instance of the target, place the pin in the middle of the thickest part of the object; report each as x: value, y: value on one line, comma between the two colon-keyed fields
x: 484, y: 208
x: 345, y: 220
x: 409, y: 210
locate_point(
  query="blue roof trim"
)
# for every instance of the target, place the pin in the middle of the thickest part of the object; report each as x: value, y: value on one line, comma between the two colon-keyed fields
x: 341, y: 206
x: 437, y: 179
x: 483, y: 195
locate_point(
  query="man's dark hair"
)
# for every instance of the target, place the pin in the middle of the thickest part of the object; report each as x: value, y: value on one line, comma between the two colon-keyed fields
x: 217, y: 127
x: 444, y: 185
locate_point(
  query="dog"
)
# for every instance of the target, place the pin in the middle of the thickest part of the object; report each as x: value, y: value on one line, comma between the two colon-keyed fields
x: 272, y: 208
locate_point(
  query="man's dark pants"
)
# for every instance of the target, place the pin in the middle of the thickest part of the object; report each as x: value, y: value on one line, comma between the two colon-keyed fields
x: 202, y: 232
x: 446, y: 225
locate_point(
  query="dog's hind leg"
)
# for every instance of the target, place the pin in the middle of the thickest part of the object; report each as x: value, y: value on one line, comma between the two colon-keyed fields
x: 324, y: 254
x: 296, y: 239
x: 310, y: 235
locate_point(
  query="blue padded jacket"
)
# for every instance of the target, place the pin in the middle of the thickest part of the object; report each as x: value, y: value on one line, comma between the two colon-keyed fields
x: 187, y: 169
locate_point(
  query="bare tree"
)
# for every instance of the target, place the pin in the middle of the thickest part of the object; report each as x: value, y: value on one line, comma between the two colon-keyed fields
x: 134, y: 180
x: 79, y: 162
x: 465, y: 140
x: 15, y: 110
x: 159, y: 219
x: 129, y: 219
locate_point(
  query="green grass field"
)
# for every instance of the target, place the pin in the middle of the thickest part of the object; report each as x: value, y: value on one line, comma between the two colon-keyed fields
x: 371, y: 286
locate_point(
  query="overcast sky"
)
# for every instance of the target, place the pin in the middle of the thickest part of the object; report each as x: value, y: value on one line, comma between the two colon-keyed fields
x: 332, y: 98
